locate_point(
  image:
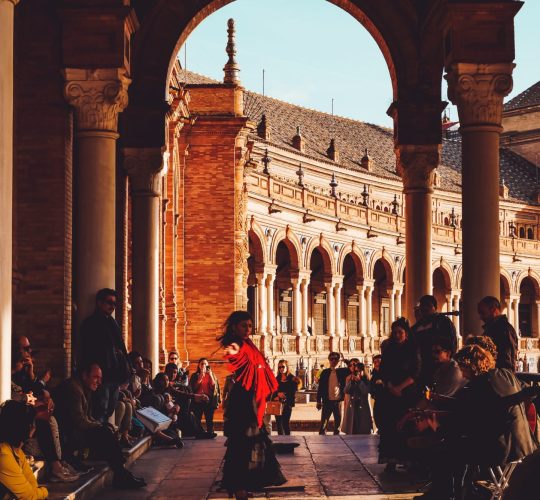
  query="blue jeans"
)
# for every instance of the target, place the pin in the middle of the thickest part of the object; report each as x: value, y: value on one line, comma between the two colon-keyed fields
x: 104, y: 401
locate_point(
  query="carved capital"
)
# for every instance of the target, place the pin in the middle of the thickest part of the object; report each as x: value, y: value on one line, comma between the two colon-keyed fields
x: 416, y: 165
x: 97, y: 95
x: 145, y: 167
x: 478, y: 91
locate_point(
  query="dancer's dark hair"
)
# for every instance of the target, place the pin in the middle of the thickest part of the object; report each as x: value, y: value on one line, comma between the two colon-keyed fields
x: 229, y: 334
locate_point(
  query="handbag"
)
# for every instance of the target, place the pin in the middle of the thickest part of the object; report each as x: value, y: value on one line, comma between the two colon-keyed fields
x: 274, y: 408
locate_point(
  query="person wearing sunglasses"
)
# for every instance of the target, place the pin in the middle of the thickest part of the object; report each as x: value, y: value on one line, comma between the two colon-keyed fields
x: 101, y: 343
x: 330, y: 393
x: 288, y: 384
x: 357, y: 412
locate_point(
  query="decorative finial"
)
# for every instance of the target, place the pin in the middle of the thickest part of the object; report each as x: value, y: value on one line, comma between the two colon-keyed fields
x: 300, y: 174
x: 333, y: 185
x: 231, y: 69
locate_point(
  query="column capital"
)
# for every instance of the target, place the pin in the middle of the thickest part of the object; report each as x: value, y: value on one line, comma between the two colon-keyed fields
x: 478, y: 91
x: 97, y: 95
x: 145, y: 167
x: 416, y: 164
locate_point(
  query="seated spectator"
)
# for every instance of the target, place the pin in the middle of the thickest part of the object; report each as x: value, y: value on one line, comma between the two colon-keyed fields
x: 204, y: 382
x: 447, y: 379
x: 25, y: 378
x: 46, y: 444
x: 80, y: 429
x: 16, y: 476
x: 123, y: 414
x: 484, y: 342
x: 183, y: 373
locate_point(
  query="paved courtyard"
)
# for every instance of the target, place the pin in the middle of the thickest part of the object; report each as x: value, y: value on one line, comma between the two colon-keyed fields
x: 336, y: 467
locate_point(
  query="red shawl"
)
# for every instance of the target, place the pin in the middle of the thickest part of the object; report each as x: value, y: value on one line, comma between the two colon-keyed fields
x: 252, y: 371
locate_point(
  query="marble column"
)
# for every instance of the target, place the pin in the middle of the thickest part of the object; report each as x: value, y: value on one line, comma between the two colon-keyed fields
x: 338, y: 297
x: 416, y: 164
x: 362, y: 309
x: 397, y: 298
x: 536, y: 332
x: 330, y: 310
x: 7, y: 8
x: 297, y: 307
x: 305, y: 305
x: 478, y: 91
x: 262, y: 304
x: 455, y: 307
x: 145, y: 168
x: 392, y: 303
x: 369, y: 310
x: 97, y: 96
x: 270, y: 300
x: 514, y: 300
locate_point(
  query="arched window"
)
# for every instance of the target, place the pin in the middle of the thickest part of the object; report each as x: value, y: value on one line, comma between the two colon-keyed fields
x: 446, y: 221
x: 522, y: 232
x: 530, y: 234
x: 386, y: 209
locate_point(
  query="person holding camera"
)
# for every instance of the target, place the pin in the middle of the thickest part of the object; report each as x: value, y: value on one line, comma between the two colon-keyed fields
x: 288, y: 384
x: 204, y: 382
x: 356, y: 412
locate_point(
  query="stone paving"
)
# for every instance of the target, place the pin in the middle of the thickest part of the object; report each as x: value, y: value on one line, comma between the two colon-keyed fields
x: 335, y: 467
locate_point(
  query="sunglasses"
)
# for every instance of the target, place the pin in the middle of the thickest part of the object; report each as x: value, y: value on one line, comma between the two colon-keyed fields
x: 281, y: 367
x: 111, y: 303
x: 173, y: 357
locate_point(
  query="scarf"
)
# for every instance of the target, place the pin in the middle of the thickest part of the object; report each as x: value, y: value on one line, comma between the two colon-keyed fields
x: 253, y: 372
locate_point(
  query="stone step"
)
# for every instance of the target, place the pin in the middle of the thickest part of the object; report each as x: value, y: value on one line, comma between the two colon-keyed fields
x: 90, y: 485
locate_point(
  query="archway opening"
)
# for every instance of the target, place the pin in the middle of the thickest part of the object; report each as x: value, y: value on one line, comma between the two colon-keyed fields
x: 352, y: 296
x: 528, y: 310
x: 382, y: 306
x: 286, y: 271
x: 319, y: 288
x: 441, y: 289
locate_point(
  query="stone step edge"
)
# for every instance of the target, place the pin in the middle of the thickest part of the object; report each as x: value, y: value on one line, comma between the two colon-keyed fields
x: 98, y: 480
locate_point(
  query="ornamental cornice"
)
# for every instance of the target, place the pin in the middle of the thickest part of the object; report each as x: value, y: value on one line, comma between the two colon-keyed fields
x: 478, y: 91
x: 97, y: 95
x: 145, y: 167
x: 416, y: 164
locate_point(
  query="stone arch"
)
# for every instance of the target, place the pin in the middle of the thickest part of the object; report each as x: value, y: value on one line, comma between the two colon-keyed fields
x: 165, y: 25
x: 506, y: 283
x: 387, y: 263
x: 356, y: 253
x: 442, y: 284
x: 257, y: 233
x: 292, y: 243
x: 326, y: 251
x: 528, y: 288
x: 535, y: 279
x: 448, y: 272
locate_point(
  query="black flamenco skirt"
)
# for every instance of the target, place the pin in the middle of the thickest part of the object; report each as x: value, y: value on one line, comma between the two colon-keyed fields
x: 250, y: 461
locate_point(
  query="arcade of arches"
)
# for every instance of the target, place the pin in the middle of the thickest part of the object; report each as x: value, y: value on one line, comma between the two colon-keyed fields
x: 115, y: 174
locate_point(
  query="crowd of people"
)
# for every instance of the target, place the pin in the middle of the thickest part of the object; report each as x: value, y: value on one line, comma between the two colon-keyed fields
x: 444, y: 410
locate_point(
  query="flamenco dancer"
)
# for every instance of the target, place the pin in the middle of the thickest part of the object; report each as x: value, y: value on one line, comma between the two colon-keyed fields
x: 250, y: 462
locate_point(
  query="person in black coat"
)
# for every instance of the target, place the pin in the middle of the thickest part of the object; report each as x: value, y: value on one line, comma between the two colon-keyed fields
x: 330, y: 393
x: 288, y: 385
x: 101, y: 342
x: 427, y: 330
x: 400, y: 369
x: 498, y: 328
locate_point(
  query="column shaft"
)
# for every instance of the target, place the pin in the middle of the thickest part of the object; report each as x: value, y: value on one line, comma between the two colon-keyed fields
x: 262, y: 305
x: 270, y: 301
x: 337, y: 302
x: 330, y: 311
x: 6, y: 192
x: 297, y: 308
x: 369, y: 310
x: 305, y: 306
x: 362, y: 310
x: 398, y: 303
x: 392, y: 304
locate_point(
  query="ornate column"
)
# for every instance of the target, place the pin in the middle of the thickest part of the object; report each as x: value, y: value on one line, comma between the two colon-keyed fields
x: 98, y: 96
x: 6, y: 191
x: 297, y: 307
x: 262, y: 304
x: 514, y: 306
x: 362, y: 309
x: 338, y: 298
x: 145, y: 169
x: 537, y: 332
x: 271, y: 321
x: 478, y: 91
x: 416, y: 164
x: 330, y: 310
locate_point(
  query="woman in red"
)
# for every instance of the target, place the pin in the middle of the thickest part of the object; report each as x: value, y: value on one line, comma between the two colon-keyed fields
x: 250, y: 463
x: 203, y: 381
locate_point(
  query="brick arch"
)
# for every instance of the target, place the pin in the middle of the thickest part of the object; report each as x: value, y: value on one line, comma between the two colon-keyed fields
x: 357, y: 256
x: 165, y: 25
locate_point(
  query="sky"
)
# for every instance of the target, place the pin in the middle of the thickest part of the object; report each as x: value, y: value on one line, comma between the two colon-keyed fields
x: 313, y: 52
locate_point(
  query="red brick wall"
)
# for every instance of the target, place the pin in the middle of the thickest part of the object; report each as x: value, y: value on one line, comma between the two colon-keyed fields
x: 42, y: 168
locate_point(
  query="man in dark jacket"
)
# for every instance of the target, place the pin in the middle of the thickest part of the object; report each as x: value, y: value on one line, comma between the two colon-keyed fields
x: 101, y: 343
x: 431, y: 327
x: 498, y: 328
x: 81, y: 430
x: 331, y: 392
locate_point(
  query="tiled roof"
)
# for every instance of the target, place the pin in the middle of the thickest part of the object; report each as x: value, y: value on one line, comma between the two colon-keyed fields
x: 352, y: 137
x: 529, y: 97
